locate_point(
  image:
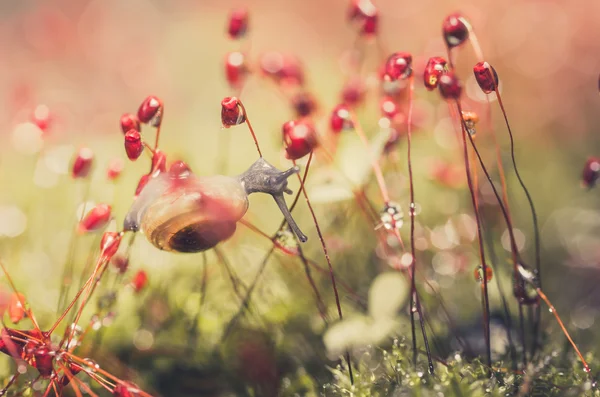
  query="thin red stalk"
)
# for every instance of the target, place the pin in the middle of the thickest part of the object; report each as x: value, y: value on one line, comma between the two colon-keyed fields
x: 48, y: 389
x: 312, y: 263
x: 158, y: 130
x: 250, y: 128
x: 71, y: 377
x: 68, y: 268
x: 235, y: 281
x: 9, y: 384
x: 486, y: 307
x: 21, y: 301
x: 374, y: 163
x: 247, y: 297
x: 331, y: 273
x: 107, y: 374
x: 564, y: 329
x: 536, y: 230
x: 414, y: 299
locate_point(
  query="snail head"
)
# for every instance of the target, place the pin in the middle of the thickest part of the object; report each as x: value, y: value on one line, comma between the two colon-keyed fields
x: 265, y: 178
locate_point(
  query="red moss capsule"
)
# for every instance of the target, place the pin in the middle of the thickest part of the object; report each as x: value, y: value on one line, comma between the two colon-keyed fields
x: 115, y: 167
x: 109, y: 244
x: 284, y: 69
x: 73, y: 369
x: 591, y: 171
x: 340, y: 119
x: 398, y: 66
x: 96, y: 219
x: 304, y: 104
x: 486, y: 77
x: 450, y: 86
x: 83, y: 163
x: 436, y: 66
x: 455, y: 29
x: 353, y: 92
x: 133, y: 145
x: 139, y: 281
x: 43, y: 361
x: 129, y: 122
x: 16, y: 310
x: 365, y: 15
x: 151, y: 111
x: 235, y: 69
x: 300, y: 138
x: 232, y: 112
x: 238, y: 23
x: 120, y: 262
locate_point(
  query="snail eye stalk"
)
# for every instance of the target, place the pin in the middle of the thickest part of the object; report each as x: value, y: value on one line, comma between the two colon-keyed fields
x: 264, y: 178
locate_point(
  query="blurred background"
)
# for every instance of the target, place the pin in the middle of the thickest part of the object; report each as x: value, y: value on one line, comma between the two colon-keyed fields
x: 81, y: 64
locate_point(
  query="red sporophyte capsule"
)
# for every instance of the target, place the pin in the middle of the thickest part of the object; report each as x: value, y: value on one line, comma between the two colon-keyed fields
x: 129, y: 122
x: 300, y: 138
x: 159, y: 162
x: 389, y: 107
x: 96, y: 219
x: 365, y: 15
x: 235, y: 68
x: 238, y: 23
x: 141, y: 184
x: 450, y: 86
x: 398, y: 66
x: 436, y: 66
x: 73, y: 370
x: 133, y: 144
x: 304, y: 104
x: 120, y: 262
x: 151, y: 111
x: 591, y: 171
x: 179, y: 169
x: 16, y: 310
x: 42, y: 117
x: 370, y: 24
x: 455, y: 29
x: 109, y: 244
x: 115, y: 167
x: 232, y: 112
x: 340, y: 119
x: 139, y: 281
x: 284, y: 69
x: 486, y: 77
x: 43, y: 358
x: 83, y: 163
x: 353, y: 92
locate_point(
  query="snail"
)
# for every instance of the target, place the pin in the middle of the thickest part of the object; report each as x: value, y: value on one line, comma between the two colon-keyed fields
x: 182, y: 212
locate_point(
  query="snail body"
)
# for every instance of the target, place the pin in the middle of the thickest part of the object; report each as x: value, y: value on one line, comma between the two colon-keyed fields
x: 186, y: 213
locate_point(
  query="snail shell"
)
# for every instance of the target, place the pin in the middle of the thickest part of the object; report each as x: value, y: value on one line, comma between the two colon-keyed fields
x: 190, y: 214
x: 180, y: 212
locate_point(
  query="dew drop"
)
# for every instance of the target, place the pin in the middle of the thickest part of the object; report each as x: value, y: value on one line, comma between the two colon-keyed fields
x: 392, y: 216
x: 91, y: 364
